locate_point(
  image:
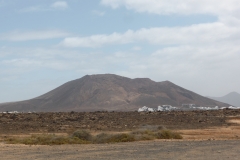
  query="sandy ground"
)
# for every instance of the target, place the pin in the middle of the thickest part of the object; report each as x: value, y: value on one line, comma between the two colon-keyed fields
x: 175, y: 150
x: 200, y: 144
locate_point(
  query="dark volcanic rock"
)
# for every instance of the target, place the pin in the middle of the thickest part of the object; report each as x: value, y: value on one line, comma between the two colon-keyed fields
x: 111, y: 93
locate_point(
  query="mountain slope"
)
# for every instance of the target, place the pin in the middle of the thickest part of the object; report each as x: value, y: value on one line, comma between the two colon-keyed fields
x: 112, y: 93
x: 232, y: 98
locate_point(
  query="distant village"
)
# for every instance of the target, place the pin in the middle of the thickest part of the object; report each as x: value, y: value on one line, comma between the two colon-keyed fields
x: 184, y: 107
x: 162, y: 108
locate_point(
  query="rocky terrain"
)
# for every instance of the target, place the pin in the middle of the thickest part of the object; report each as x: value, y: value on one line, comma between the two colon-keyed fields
x: 206, y: 134
x: 64, y: 122
x: 108, y: 92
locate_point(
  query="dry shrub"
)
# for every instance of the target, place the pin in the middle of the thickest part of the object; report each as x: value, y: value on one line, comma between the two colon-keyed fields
x: 122, y: 138
x: 83, y: 135
x: 155, y: 134
x: 143, y: 134
x: 114, y: 138
x: 167, y: 134
x: 144, y: 137
x: 45, y: 139
x: 162, y: 128
x: 102, y: 138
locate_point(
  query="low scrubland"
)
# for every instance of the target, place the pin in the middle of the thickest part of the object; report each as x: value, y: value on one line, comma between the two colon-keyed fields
x: 85, y: 137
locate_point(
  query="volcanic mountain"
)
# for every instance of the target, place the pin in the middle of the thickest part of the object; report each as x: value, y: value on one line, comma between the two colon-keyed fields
x: 232, y: 98
x: 110, y: 93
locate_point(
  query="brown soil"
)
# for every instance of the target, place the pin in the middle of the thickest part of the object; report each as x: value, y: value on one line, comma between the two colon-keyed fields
x: 206, y: 134
x: 151, y: 150
x: 222, y: 124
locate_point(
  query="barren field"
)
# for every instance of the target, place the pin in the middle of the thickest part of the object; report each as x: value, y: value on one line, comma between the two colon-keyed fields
x: 206, y: 135
x: 152, y: 150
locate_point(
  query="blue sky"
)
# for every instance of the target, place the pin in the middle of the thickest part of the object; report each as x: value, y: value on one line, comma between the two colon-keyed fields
x: 45, y: 43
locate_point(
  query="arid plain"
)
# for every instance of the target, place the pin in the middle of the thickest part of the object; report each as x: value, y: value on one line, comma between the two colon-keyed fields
x: 206, y: 134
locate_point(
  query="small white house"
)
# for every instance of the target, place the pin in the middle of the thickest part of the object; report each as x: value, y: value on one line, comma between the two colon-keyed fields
x: 160, y: 108
x: 165, y: 108
x: 145, y: 109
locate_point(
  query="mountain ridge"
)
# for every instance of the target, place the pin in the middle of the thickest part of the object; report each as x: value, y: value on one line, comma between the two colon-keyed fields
x: 232, y: 98
x: 109, y: 92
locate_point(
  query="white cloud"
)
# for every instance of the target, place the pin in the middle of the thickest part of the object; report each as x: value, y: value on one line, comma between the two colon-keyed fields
x: 60, y: 5
x: 207, y: 65
x: 27, y: 60
x: 194, y: 34
x: 33, y: 35
x: 98, y: 40
x: 137, y: 48
x: 34, y: 9
x: 186, y: 7
x: 203, y: 54
x: 32, y: 63
x: 21, y: 62
x: 98, y: 13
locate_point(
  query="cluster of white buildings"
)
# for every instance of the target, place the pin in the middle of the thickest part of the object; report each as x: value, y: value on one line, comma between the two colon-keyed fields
x: 185, y: 106
x: 14, y: 112
x: 11, y: 112
x: 159, y: 108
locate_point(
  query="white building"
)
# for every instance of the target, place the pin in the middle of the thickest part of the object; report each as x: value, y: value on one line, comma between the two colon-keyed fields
x: 146, y: 109
x: 165, y: 108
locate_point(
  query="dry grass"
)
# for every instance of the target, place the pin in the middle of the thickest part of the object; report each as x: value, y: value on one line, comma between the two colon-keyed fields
x: 144, y: 134
x: 45, y: 139
x: 168, y: 134
x: 161, y: 133
x: 82, y: 134
x: 113, y: 138
x: 84, y: 137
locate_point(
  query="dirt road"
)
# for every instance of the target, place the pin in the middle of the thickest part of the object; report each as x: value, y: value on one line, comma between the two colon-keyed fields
x: 175, y: 150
